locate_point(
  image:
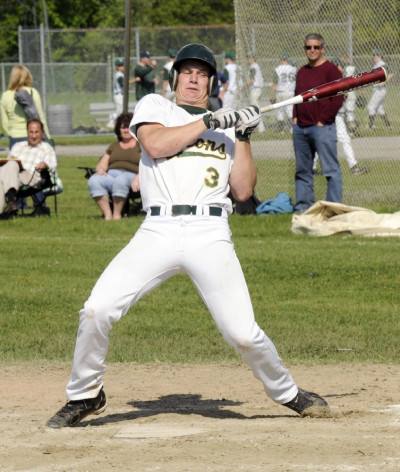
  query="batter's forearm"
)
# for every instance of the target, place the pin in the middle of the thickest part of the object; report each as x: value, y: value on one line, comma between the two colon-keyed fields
x: 162, y: 141
x: 243, y: 176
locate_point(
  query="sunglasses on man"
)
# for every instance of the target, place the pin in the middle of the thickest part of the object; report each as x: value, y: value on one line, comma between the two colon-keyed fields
x: 317, y: 48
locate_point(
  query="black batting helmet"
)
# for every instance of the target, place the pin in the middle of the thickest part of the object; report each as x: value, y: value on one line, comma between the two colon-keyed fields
x: 196, y: 52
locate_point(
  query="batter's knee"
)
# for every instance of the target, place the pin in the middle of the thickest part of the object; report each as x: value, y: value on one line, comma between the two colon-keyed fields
x: 100, y: 314
x: 245, y: 340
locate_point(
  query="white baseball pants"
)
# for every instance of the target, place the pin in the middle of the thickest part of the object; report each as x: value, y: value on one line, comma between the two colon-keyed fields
x: 350, y: 106
x: 255, y: 94
x: 229, y: 100
x: 343, y: 137
x: 284, y: 113
x: 375, y: 105
x: 201, y: 247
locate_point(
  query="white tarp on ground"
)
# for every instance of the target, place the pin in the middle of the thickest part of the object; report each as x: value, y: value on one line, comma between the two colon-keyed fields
x: 327, y: 218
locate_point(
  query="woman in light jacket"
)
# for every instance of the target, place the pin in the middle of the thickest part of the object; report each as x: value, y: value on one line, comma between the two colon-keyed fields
x: 13, y: 118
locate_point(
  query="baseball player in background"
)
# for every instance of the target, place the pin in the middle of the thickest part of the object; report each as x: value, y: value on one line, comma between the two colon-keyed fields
x: 349, y: 105
x: 118, y: 90
x: 166, y: 88
x: 230, y: 81
x: 377, y: 100
x: 191, y: 158
x: 284, y: 83
x: 256, y: 84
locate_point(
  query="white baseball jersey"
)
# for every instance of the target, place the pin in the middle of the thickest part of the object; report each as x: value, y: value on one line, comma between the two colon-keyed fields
x: 256, y: 76
x: 381, y: 85
x: 349, y: 70
x: 173, y: 180
x: 285, y: 78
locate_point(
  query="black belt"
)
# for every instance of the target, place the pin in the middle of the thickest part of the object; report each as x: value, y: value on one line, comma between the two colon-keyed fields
x: 177, y: 210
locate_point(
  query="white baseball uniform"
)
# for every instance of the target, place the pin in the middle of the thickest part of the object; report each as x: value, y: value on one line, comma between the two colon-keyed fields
x: 198, y: 244
x: 349, y: 105
x: 168, y: 93
x: 229, y: 99
x: 256, y: 89
x: 376, y: 102
x: 118, y: 97
x: 285, y: 84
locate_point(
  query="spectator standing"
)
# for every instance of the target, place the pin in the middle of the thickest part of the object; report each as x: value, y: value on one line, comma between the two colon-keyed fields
x: 230, y: 81
x: 117, y: 171
x: 343, y: 135
x: 118, y: 90
x: 284, y: 83
x: 145, y: 78
x: 13, y: 118
x: 314, y: 128
x: 166, y: 89
x: 256, y: 84
x: 377, y: 100
x: 26, y: 160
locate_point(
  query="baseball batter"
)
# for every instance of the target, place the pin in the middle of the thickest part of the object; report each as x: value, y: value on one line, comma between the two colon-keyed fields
x: 190, y: 160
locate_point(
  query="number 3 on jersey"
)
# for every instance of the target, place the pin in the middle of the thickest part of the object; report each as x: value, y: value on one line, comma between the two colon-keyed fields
x: 211, y: 180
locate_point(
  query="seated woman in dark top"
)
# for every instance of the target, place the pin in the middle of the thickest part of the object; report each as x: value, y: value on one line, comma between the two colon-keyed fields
x: 117, y: 171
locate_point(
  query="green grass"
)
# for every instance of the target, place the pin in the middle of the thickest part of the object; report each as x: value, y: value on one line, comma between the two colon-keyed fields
x: 313, y: 296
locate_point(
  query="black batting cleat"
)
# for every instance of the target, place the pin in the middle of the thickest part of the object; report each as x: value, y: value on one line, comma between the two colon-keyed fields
x: 75, y: 410
x: 309, y: 404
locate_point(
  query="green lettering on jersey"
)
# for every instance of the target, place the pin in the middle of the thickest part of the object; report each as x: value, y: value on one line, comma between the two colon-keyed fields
x: 209, y: 149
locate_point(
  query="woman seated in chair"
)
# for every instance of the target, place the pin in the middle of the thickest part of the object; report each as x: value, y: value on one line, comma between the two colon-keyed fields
x: 117, y: 171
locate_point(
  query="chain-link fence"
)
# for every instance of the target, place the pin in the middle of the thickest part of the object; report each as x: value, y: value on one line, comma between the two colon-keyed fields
x: 75, y: 67
x: 353, y: 31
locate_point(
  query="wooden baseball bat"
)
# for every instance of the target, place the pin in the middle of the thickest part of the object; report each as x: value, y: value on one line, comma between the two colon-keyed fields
x: 331, y: 89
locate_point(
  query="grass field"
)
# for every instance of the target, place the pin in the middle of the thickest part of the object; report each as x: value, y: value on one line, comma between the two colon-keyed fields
x: 321, y: 300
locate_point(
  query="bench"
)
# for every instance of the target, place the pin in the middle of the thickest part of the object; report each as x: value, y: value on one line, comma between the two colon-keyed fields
x: 102, y: 110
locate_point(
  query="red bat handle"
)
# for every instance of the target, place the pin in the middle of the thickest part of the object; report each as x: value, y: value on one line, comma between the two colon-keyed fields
x: 341, y: 86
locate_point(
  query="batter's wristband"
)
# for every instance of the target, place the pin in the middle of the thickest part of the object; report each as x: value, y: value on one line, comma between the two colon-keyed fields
x: 206, y: 119
x: 242, y: 136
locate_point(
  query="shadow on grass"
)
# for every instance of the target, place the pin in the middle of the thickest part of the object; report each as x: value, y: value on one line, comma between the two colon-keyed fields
x: 183, y: 404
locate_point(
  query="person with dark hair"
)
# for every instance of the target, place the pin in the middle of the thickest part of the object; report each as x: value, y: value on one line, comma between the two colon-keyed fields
x: 116, y: 171
x: 314, y: 129
x: 25, y: 162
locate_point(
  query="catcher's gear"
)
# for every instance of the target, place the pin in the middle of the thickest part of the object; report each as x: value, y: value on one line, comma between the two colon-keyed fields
x: 197, y: 52
x: 223, y: 118
x: 249, y: 118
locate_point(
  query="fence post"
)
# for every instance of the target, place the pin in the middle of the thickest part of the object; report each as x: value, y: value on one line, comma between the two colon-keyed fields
x: 20, y: 51
x: 137, y: 40
x: 350, y: 33
x: 43, y: 68
x: 3, y: 78
x: 109, y: 81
